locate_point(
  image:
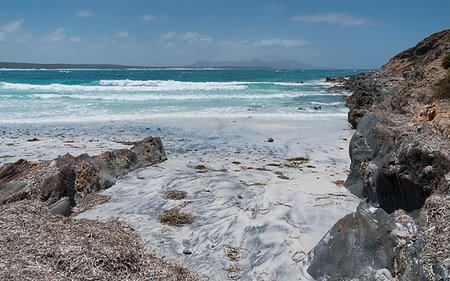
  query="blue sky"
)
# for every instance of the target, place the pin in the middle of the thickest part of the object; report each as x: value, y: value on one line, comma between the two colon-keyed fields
x: 341, y: 34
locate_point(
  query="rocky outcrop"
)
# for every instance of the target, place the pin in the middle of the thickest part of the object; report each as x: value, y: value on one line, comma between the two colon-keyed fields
x: 400, y: 166
x: 70, y: 176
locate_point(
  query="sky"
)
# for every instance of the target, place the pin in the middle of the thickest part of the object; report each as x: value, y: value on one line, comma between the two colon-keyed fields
x: 339, y: 34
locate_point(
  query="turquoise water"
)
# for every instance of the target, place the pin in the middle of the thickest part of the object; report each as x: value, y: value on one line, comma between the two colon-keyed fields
x: 32, y: 96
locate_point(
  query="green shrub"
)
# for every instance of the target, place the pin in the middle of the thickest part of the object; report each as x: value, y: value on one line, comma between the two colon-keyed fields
x: 446, y: 62
x: 442, y: 89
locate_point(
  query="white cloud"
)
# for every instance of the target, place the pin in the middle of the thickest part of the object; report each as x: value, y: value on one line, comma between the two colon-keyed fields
x: 341, y: 19
x: 75, y: 39
x: 168, y: 35
x: 197, y: 38
x: 288, y: 43
x: 85, y: 13
x: 11, y: 27
x: 147, y: 17
x: 56, y: 36
x: 121, y: 34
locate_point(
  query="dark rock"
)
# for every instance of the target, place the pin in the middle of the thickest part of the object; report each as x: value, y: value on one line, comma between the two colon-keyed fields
x: 187, y: 252
x: 10, y: 189
x: 12, y: 171
x: 62, y: 207
x: 270, y: 140
x: 317, y: 107
x: 59, y: 185
x: 355, y: 247
x: 301, y: 108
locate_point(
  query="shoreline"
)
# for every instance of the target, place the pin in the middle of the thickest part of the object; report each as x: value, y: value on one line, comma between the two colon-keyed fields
x: 252, y: 183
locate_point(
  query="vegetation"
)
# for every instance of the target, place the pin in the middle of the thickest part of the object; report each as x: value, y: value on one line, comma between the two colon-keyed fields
x: 442, y: 88
x: 446, y: 62
x: 175, y: 194
x: 174, y: 217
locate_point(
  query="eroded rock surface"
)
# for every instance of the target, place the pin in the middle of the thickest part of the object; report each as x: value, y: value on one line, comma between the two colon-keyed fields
x: 70, y: 176
x: 401, y: 168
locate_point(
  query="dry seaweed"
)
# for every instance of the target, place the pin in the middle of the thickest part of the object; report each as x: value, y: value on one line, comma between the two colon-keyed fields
x: 174, y: 217
x: 36, y: 245
x: 175, y: 194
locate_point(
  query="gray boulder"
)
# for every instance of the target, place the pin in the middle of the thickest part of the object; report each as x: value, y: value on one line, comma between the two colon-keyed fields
x: 62, y: 207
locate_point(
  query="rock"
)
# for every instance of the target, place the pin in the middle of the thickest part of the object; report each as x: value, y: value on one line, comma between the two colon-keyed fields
x: 383, y: 275
x: 10, y: 189
x: 356, y: 246
x: 62, y: 207
x: 317, y: 107
x: 59, y: 185
x: 12, y: 171
x: 301, y: 108
x: 270, y: 140
x: 400, y: 162
x: 187, y: 252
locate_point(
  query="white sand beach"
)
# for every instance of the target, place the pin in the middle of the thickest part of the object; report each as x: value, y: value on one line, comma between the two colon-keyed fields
x: 257, y: 214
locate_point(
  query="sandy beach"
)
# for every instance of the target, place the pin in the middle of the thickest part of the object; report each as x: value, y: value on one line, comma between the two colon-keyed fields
x: 259, y: 206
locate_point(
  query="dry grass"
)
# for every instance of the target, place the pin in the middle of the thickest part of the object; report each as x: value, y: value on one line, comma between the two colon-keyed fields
x: 88, y: 202
x: 175, y: 194
x: 36, y: 245
x: 174, y: 217
x: 300, y: 159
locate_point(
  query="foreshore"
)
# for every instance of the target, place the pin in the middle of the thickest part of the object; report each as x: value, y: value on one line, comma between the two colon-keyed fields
x: 258, y: 189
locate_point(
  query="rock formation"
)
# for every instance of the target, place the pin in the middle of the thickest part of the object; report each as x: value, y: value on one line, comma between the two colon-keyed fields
x: 58, y: 182
x: 401, y: 168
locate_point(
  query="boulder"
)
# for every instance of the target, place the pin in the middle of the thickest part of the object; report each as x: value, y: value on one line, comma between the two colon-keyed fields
x: 8, y: 191
x: 62, y: 207
x: 356, y: 246
x: 59, y: 185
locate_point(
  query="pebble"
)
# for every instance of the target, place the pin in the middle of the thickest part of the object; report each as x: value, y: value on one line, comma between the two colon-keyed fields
x: 270, y: 140
x: 187, y: 252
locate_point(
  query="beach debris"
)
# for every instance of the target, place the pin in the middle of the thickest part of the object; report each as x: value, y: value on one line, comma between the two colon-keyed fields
x: 127, y: 142
x: 273, y: 164
x: 270, y: 140
x: 201, y: 169
x: 281, y: 175
x: 299, y: 256
x: 33, y: 139
x: 279, y: 203
x: 175, y: 194
x: 236, y: 162
x: 42, y: 246
x: 234, y: 271
x: 299, y: 159
x: 174, y: 217
x: 187, y: 252
x: 232, y: 253
x: 338, y: 182
x: 88, y: 201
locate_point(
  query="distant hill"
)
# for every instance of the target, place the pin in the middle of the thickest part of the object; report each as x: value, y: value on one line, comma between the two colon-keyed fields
x: 20, y: 65
x: 250, y: 64
x: 256, y: 63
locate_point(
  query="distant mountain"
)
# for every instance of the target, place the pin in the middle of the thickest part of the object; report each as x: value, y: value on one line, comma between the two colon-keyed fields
x: 20, y: 65
x: 256, y: 63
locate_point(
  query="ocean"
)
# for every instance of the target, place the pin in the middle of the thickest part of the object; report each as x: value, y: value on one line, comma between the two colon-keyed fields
x: 39, y: 96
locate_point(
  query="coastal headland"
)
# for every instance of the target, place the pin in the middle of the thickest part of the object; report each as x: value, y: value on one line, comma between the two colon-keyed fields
x: 247, y: 199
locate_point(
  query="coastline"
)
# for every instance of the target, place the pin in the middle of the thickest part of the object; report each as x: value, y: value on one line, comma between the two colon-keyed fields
x: 283, y: 199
